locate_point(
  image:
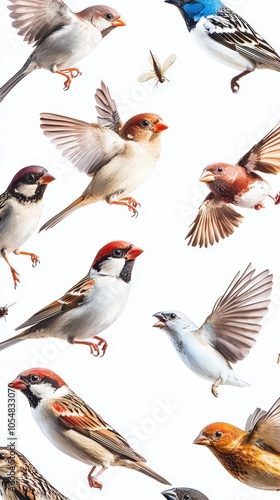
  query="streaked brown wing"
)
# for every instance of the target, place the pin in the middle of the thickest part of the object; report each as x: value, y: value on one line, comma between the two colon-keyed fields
x: 74, y: 413
x: 215, y: 220
x: 265, y: 155
x: 264, y: 427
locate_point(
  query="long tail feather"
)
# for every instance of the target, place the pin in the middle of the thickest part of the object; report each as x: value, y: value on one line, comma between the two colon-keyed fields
x: 10, y: 84
x: 141, y: 467
x: 79, y: 202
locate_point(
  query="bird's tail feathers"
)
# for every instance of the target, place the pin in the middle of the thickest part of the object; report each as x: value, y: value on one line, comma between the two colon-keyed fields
x: 142, y: 467
x: 79, y: 202
x: 10, y: 342
x: 10, y: 84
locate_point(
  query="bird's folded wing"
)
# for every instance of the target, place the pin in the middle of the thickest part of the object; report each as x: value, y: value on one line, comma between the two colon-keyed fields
x: 235, y: 319
x: 265, y: 155
x: 75, y: 414
x: 88, y: 146
x: 106, y: 107
x: 215, y: 220
x: 232, y: 31
x: 5, y: 209
x: 34, y: 20
x: 73, y: 298
x: 264, y: 427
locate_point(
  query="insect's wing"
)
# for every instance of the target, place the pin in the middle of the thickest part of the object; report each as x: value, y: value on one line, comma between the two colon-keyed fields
x: 168, y: 61
x: 146, y: 76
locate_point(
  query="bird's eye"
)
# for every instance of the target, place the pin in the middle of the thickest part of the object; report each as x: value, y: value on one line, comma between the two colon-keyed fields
x: 220, y: 169
x: 117, y: 253
x: 31, y: 177
x: 34, y: 378
x: 145, y: 123
x: 186, y: 496
x: 2, y: 456
x: 109, y: 16
x: 218, y: 434
x: 173, y: 316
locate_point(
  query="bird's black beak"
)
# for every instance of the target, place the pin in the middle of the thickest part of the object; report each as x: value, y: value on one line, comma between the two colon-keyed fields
x: 170, y: 494
x: 162, y: 320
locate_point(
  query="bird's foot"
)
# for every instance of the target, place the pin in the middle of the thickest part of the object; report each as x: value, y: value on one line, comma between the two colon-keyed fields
x: 234, y: 85
x: 94, y: 349
x: 130, y: 203
x: 259, y: 206
x: 69, y: 73
x: 92, y: 481
x: 214, y: 388
x: 35, y: 259
x: 277, y: 199
x: 102, y: 345
x: 278, y: 359
x: 234, y: 82
x: 15, y: 276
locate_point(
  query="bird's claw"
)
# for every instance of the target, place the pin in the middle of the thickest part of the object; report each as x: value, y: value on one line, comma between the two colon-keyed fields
x: 278, y: 359
x: 234, y: 86
x: 16, y: 279
x: 277, y: 199
x: 93, y: 483
x: 35, y: 259
x: 101, y: 346
x: 214, y: 388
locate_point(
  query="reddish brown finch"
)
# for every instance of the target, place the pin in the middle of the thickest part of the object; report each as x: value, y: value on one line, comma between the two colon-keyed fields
x: 253, y: 455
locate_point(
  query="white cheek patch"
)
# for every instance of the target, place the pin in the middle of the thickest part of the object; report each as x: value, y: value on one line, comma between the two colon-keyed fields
x: 26, y: 189
x: 112, y: 267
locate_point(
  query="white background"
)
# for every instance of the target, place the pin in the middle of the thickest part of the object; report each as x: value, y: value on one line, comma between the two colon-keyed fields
x: 140, y: 386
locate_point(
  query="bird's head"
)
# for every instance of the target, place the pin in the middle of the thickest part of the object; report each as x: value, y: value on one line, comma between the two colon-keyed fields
x: 193, y: 10
x: 143, y: 128
x: 104, y: 18
x: 174, y: 322
x: 39, y: 383
x: 116, y: 259
x: 30, y: 183
x: 183, y: 494
x: 7, y: 457
x: 220, y: 437
x: 224, y: 180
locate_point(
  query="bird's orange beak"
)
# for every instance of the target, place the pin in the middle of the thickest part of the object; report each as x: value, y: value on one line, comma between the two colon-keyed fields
x: 159, y: 127
x: 206, y: 177
x: 203, y: 440
x: 46, y: 178
x: 133, y: 253
x: 18, y: 384
x: 118, y: 22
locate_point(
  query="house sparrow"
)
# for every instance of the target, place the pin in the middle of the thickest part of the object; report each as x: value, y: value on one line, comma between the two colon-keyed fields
x: 20, y: 211
x: 74, y: 428
x: 117, y: 157
x: 183, y: 494
x: 90, y: 306
x: 158, y: 71
x: 235, y: 185
x: 226, y: 37
x: 227, y: 334
x: 20, y: 480
x: 61, y: 37
x: 253, y: 455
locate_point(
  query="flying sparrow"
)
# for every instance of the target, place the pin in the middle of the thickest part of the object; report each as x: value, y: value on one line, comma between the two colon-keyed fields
x: 183, y: 494
x: 235, y: 185
x: 61, y: 37
x: 19, y: 479
x: 90, y: 306
x: 20, y: 212
x: 117, y: 158
x: 227, y: 334
x: 251, y: 456
x: 226, y: 37
x: 74, y: 428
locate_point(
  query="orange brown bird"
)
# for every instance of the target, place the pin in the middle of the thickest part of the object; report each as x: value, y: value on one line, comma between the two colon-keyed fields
x: 251, y: 456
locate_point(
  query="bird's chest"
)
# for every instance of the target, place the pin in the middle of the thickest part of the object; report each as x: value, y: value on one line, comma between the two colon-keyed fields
x: 254, y: 195
x: 19, y: 223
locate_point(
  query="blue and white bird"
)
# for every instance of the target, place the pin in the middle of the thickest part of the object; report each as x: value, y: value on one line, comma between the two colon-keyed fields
x: 226, y: 37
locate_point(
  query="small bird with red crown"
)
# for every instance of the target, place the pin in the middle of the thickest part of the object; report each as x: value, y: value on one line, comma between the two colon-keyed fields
x: 90, y: 306
x: 75, y: 428
x: 251, y: 456
x: 238, y: 185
